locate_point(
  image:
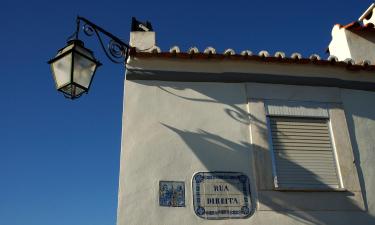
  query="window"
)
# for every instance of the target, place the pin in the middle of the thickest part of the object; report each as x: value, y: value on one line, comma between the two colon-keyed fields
x: 271, y: 103
x: 302, y: 147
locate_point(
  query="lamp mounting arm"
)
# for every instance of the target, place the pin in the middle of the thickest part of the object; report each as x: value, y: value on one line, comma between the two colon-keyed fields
x: 116, y: 50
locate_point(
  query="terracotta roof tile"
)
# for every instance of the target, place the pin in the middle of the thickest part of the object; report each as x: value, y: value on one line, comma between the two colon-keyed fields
x: 356, y: 26
x: 264, y: 56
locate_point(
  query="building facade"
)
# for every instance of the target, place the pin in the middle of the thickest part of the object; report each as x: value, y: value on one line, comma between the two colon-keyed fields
x: 230, y: 138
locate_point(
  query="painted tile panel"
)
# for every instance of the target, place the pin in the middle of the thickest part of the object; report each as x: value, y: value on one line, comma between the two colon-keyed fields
x: 172, y: 193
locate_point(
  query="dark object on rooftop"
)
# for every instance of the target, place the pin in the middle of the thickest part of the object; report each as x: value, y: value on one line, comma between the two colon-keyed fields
x: 140, y: 26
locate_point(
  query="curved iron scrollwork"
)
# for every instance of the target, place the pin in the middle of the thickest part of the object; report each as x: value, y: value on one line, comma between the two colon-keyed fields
x: 116, y: 50
x: 88, y: 30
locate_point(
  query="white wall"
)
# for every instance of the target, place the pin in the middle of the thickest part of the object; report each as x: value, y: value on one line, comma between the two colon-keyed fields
x: 360, y: 112
x: 171, y: 130
x: 358, y: 45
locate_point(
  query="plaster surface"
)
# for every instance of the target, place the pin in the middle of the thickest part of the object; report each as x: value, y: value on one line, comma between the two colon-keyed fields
x: 172, y: 130
x: 360, y: 114
x: 347, y: 44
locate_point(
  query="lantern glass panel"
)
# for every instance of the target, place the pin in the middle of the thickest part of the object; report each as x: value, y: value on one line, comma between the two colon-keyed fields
x: 84, y: 69
x: 61, y: 70
x: 72, y: 91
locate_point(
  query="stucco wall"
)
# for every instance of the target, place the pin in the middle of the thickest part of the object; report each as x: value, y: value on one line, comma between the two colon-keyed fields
x: 357, y: 45
x: 360, y: 114
x: 171, y: 130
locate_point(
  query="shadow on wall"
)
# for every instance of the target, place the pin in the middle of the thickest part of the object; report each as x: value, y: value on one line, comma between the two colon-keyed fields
x: 233, y: 111
x: 211, y: 149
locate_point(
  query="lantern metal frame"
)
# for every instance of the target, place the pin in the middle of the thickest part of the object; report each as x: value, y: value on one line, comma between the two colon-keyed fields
x: 116, y: 51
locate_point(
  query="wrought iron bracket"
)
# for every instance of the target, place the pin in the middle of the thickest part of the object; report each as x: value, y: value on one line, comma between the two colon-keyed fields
x: 116, y: 50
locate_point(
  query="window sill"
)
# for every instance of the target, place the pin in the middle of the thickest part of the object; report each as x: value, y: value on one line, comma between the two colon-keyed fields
x: 310, y: 189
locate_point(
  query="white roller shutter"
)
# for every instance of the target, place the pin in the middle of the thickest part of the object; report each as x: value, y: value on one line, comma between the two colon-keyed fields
x: 303, y: 153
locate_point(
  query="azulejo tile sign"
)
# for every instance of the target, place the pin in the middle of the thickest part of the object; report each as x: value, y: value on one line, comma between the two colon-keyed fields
x: 172, y: 193
x: 221, y: 195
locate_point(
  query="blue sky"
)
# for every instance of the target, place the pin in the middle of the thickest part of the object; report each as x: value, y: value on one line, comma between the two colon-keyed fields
x: 59, y: 159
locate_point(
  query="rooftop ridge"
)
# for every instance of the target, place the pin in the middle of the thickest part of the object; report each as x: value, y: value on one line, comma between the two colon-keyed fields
x: 265, y: 56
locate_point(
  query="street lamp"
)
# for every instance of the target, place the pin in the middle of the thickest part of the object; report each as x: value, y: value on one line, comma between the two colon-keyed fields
x: 73, y: 69
x: 74, y: 66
